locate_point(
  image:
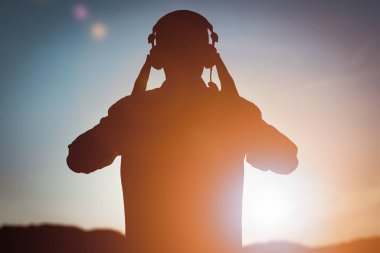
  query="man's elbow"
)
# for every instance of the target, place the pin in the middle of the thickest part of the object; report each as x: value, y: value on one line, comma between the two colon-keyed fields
x: 286, y: 167
x: 75, y: 165
x: 288, y: 162
x: 284, y: 162
x: 77, y: 160
x: 87, y: 158
x: 278, y: 166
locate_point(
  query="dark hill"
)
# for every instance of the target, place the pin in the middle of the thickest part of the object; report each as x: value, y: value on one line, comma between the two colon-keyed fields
x: 371, y: 245
x: 60, y: 239
x: 276, y: 247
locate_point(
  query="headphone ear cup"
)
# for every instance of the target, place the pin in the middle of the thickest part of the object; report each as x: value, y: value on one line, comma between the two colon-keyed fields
x: 209, y: 56
x: 156, y: 57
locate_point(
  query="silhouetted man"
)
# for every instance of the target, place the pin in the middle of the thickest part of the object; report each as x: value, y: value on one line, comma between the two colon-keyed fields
x: 183, y: 146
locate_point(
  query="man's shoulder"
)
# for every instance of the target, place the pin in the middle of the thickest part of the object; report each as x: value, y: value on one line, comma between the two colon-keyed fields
x: 239, y: 106
x: 249, y: 107
x: 155, y: 97
x: 159, y: 95
x: 132, y: 101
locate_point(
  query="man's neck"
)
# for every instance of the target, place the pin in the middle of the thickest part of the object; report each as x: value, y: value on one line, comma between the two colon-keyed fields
x: 190, y: 82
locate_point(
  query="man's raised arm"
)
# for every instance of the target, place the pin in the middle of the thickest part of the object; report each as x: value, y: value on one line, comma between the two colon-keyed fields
x: 268, y: 149
x: 93, y: 149
x: 99, y: 146
x: 273, y: 151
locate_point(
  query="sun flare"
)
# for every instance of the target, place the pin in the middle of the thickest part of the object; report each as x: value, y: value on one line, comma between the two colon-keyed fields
x: 269, y: 206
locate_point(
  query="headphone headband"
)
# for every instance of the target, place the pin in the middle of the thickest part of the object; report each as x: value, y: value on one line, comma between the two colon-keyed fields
x: 152, y: 36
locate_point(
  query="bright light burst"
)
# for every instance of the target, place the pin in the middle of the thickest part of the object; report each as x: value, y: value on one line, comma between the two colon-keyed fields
x: 270, y: 206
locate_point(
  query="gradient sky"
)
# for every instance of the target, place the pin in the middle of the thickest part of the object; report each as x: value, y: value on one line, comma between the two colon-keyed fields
x: 311, y: 67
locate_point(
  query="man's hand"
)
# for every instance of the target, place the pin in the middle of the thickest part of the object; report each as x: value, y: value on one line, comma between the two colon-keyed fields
x: 227, y: 84
x: 142, y: 79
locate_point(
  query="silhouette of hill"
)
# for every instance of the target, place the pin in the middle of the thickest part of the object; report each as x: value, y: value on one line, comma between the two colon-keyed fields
x: 370, y: 245
x: 276, y: 247
x: 58, y: 238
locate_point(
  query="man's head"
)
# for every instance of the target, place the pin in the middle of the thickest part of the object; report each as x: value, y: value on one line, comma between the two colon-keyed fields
x: 182, y: 43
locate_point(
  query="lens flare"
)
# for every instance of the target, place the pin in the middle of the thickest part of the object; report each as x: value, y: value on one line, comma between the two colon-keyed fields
x: 80, y: 12
x: 99, y: 31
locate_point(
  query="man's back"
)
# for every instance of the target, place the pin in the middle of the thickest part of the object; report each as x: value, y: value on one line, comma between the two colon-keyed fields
x: 182, y: 170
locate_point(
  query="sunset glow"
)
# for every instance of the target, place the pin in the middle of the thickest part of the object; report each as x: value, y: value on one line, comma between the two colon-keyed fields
x: 313, y: 70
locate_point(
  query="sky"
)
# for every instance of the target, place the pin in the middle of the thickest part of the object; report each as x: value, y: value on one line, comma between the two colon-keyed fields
x: 312, y: 67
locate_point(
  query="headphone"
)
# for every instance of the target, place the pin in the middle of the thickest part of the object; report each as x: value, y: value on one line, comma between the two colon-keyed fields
x: 157, y: 56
